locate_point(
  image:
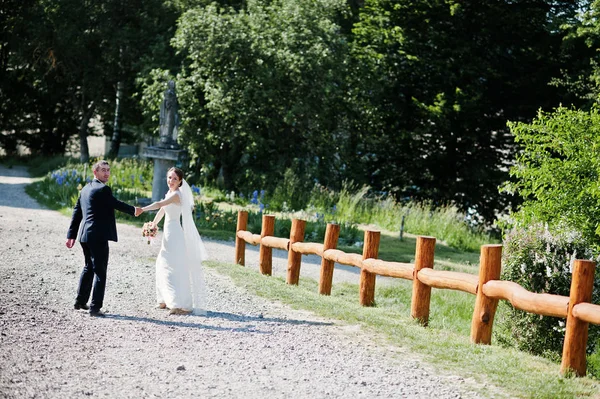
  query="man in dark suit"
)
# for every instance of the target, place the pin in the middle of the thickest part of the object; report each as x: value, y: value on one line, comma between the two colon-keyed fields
x: 93, y: 224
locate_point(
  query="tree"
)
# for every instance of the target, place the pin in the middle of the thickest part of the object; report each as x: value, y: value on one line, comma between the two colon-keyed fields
x: 64, y: 60
x: 558, y: 169
x: 262, y: 90
x: 446, y: 77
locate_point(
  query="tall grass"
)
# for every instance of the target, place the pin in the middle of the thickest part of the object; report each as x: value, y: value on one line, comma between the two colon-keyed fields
x: 446, y: 223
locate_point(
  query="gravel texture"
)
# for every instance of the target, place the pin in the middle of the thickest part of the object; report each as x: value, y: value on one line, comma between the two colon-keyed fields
x: 245, y: 347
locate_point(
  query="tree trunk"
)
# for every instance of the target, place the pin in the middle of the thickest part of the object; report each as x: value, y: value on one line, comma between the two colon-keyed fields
x: 115, y: 142
x: 84, y: 151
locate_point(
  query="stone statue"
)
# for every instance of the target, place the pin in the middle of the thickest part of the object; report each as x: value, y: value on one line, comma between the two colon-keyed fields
x: 169, y: 117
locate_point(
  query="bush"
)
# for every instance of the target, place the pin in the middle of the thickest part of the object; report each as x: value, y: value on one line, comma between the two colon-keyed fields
x: 541, y: 262
x: 557, y: 170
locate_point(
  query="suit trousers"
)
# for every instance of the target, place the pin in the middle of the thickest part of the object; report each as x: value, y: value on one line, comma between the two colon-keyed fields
x: 94, y: 271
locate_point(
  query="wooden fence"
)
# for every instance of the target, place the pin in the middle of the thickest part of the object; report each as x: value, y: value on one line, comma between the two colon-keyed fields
x: 487, y: 287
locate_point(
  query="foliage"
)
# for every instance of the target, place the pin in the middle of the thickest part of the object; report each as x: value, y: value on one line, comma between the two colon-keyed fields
x: 557, y: 172
x: 62, y: 60
x: 580, y: 73
x: 130, y: 179
x: 261, y: 91
x: 443, y: 79
x: 541, y: 261
x: 446, y: 223
x: 291, y: 194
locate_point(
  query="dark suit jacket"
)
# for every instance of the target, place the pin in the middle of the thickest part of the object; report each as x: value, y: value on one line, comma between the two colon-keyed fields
x: 94, y: 214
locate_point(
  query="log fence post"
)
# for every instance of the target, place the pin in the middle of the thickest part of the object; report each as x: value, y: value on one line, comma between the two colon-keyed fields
x: 332, y: 233
x: 367, y: 279
x: 576, y: 335
x: 240, y: 244
x: 485, y: 308
x: 265, y: 254
x: 294, y: 258
x: 421, y: 293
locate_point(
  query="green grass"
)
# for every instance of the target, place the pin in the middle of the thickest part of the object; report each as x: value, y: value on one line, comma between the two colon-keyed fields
x: 391, y: 248
x: 445, y: 343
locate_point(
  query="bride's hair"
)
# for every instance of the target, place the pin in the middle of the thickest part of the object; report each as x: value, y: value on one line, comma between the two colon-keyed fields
x: 179, y: 174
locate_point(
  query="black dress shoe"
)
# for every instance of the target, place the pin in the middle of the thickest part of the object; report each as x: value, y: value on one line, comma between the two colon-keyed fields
x: 96, y: 313
x: 83, y: 306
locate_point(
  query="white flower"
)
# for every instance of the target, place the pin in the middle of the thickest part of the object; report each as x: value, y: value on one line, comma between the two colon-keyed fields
x: 571, y: 266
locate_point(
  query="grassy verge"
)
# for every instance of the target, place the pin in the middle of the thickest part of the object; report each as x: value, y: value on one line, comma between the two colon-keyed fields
x: 445, y: 343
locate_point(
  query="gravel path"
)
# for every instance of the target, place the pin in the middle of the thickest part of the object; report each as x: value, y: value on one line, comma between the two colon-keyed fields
x: 245, y: 347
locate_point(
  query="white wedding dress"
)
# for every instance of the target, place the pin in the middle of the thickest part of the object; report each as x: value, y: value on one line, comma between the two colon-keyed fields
x: 179, y: 275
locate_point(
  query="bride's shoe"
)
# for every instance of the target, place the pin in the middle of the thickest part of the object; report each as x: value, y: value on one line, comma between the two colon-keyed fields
x: 179, y: 311
x: 162, y: 305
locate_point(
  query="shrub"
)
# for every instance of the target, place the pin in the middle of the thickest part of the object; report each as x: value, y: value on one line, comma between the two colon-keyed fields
x: 557, y: 170
x: 540, y: 261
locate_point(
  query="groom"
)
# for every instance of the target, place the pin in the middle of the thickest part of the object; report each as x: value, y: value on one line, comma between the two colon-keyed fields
x: 93, y: 224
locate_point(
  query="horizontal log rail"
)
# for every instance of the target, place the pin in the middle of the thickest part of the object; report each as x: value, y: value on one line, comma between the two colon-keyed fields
x: 587, y: 312
x: 276, y: 242
x: 335, y: 255
x: 449, y: 280
x: 531, y: 302
x: 308, y: 248
x: 487, y: 286
x: 389, y: 269
x: 250, y: 238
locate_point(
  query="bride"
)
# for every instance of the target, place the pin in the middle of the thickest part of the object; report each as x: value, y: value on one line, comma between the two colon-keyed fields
x: 180, y: 283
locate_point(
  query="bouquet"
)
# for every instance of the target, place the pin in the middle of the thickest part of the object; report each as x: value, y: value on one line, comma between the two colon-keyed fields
x: 149, y: 230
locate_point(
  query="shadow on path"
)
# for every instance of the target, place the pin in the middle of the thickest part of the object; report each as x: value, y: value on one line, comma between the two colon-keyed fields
x: 219, y: 315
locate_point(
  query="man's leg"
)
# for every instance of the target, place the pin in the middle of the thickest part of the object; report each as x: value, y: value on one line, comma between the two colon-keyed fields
x: 87, y: 277
x: 99, y: 255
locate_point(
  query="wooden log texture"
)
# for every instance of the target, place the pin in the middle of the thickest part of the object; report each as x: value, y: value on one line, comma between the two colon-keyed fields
x: 520, y: 298
x: 587, y: 312
x: 576, y: 335
x: 343, y: 258
x: 295, y: 258
x: 421, y: 293
x: 240, y: 243
x: 332, y: 233
x: 485, y: 307
x: 275, y: 242
x: 388, y: 269
x: 253, y: 239
x: 308, y: 248
x: 265, y: 254
x: 449, y: 280
x: 367, y: 279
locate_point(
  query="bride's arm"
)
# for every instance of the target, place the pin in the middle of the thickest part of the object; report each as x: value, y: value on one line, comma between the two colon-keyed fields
x: 159, y: 216
x: 159, y: 204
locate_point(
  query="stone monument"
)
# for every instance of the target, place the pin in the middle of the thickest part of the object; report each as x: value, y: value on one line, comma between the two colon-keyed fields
x: 168, y: 152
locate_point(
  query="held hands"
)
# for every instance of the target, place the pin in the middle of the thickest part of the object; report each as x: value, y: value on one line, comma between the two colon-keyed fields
x: 138, y: 211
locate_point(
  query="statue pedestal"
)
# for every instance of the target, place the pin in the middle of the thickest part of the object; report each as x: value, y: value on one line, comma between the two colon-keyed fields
x: 164, y: 159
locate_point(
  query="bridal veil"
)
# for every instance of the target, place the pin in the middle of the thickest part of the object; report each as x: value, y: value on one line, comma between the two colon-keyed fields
x: 195, y: 251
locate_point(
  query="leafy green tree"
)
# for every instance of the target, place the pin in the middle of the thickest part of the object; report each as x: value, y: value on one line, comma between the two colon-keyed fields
x: 580, y: 75
x: 263, y: 90
x: 557, y: 171
x: 66, y: 61
x: 445, y: 78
